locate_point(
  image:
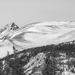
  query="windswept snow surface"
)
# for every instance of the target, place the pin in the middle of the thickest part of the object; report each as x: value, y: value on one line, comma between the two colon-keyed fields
x: 37, y: 34
x: 43, y: 33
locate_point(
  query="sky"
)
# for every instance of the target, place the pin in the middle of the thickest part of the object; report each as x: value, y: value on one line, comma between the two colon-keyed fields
x: 23, y: 12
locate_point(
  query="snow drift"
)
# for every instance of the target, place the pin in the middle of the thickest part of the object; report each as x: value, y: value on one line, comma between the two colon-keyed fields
x: 42, y: 33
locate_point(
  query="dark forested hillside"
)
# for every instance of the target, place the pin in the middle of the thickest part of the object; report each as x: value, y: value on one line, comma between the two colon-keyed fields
x: 45, y: 60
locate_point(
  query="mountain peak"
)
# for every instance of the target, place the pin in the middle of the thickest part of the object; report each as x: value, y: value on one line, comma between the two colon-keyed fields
x: 7, y: 29
x: 14, y: 26
x: 11, y: 26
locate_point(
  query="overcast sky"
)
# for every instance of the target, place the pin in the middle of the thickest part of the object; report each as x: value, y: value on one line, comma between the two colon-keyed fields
x: 28, y: 11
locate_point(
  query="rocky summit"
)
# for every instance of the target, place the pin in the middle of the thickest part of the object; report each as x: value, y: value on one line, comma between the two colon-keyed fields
x: 42, y: 48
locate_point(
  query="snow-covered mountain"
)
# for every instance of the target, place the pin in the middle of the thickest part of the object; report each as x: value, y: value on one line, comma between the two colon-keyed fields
x: 56, y: 58
x: 36, y: 34
x: 5, y: 45
x: 42, y: 33
x: 7, y: 29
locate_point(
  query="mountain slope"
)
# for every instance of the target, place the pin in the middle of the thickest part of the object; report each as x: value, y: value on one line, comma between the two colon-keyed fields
x: 45, y: 60
x: 54, y: 52
x: 43, y: 33
x: 5, y: 45
x: 35, y: 35
x: 7, y: 29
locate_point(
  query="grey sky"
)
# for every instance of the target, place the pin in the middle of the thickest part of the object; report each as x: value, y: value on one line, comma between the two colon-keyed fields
x: 27, y: 11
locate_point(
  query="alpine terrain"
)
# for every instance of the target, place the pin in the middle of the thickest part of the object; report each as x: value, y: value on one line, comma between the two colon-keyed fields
x: 40, y: 48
